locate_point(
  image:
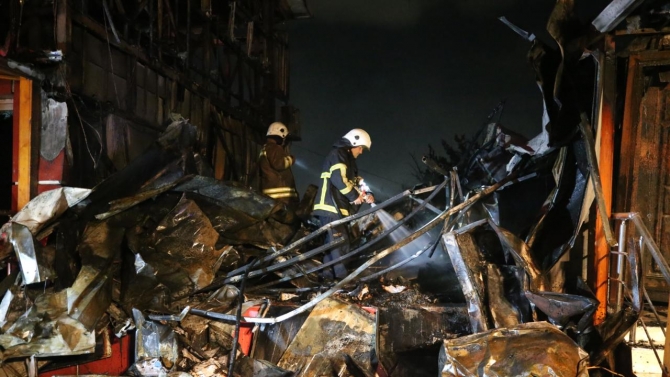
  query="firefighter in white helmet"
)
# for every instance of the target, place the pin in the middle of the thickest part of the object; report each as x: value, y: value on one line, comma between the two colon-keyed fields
x: 275, y: 163
x: 340, y: 193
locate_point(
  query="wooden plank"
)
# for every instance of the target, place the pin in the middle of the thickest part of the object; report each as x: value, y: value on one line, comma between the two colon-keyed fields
x: 605, y: 145
x: 24, y: 141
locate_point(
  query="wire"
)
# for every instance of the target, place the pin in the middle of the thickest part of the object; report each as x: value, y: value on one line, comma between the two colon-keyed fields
x: 364, y: 171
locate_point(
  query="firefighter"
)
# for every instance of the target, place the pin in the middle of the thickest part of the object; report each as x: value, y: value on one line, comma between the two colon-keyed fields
x: 340, y: 194
x: 275, y: 164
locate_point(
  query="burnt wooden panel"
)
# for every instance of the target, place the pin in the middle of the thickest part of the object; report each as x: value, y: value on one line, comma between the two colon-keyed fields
x: 644, y: 157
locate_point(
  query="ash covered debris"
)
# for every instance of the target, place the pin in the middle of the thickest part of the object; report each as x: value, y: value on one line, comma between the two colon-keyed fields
x: 184, y: 264
x: 442, y: 279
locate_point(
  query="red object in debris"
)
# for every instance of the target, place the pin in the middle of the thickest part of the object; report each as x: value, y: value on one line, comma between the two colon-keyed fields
x: 115, y: 365
x: 246, y: 336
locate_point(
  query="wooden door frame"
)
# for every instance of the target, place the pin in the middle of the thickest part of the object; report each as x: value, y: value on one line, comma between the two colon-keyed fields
x: 25, y: 144
x: 631, y: 117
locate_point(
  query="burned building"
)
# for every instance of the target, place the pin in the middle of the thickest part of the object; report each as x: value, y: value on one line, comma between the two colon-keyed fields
x: 87, y: 86
x: 135, y: 245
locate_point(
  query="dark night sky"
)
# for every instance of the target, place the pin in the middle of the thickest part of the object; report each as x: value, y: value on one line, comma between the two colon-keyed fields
x: 410, y: 72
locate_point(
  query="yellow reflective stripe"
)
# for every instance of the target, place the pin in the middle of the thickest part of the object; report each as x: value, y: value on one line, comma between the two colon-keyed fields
x: 323, y: 192
x: 326, y: 175
x: 284, y: 195
x: 340, y: 166
x: 328, y: 208
x: 343, y: 172
x: 278, y: 190
x: 287, y: 162
x: 347, y: 189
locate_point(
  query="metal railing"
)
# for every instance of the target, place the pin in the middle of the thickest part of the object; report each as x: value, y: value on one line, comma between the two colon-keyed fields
x: 638, y: 238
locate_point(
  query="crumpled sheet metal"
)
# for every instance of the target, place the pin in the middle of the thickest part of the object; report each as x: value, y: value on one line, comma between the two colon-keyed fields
x: 156, y: 349
x: 470, y: 269
x: 36, y: 264
x: 224, y: 219
x: 89, y: 297
x: 178, y: 257
x: 100, y: 244
x: 59, y: 323
x: 45, y: 329
x: 186, y: 237
x: 529, y: 349
x: 561, y: 307
x: 48, y: 206
x: 334, y: 334
x: 503, y: 313
x: 491, y: 274
x: 520, y: 252
x: 120, y: 205
x: 244, y: 200
x: 561, y: 215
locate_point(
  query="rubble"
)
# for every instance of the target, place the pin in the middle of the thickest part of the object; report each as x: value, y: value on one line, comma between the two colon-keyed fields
x: 209, y: 278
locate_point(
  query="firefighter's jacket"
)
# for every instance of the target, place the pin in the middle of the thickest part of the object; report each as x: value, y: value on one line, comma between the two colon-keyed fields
x: 277, y: 179
x: 338, y: 182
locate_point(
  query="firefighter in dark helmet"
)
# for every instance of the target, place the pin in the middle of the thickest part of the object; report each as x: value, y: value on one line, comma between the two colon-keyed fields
x: 340, y: 193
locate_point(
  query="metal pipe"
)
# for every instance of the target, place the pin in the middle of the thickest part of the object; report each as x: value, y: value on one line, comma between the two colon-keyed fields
x: 360, y: 248
x: 648, y: 241
x: 619, y: 266
x: 430, y: 225
x: 286, y: 263
x: 325, y: 228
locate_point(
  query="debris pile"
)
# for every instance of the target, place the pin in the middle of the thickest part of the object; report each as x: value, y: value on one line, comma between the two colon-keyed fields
x: 184, y: 264
x: 208, y: 278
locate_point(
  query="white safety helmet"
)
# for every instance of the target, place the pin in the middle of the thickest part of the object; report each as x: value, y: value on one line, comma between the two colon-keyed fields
x: 278, y: 129
x: 358, y: 137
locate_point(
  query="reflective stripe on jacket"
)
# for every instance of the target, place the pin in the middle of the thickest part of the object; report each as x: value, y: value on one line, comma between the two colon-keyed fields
x: 277, y: 179
x: 339, y: 172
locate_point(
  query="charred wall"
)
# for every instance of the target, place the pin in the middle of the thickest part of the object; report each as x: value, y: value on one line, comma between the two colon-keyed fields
x: 122, y: 67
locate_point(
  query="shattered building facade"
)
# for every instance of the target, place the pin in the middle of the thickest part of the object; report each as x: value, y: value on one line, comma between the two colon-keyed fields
x: 135, y: 246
